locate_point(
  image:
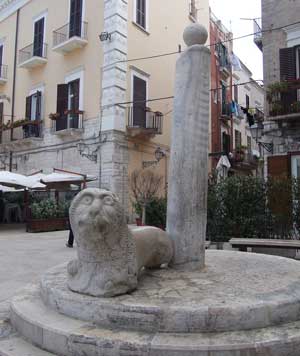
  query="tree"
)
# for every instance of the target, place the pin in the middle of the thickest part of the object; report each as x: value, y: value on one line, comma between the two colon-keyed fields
x: 145, y: 184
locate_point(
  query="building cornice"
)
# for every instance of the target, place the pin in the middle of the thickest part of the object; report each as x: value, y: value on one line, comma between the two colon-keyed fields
x: 8, y: 7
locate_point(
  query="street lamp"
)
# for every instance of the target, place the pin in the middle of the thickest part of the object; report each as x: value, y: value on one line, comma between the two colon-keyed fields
x: 84, y: 151
x: 257, y: 133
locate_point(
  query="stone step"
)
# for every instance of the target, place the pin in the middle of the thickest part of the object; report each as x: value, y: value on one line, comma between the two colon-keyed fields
x: 16, y: 346
x: 65, y: 336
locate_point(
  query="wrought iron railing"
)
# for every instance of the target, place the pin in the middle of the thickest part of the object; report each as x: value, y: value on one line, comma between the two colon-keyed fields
x: 68, y: 31
x: 283, y: 98
x: 3, y: 71
x: 145, y: 118
x: 243, y: 156
x: 69, y: 120
x: 259, y: 115
x: 33, y: 50
x: 20, y: 129
x: 226, y: 110
x: 257, y: 33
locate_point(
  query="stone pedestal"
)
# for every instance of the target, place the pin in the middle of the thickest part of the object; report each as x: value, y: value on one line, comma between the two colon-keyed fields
x: 186, y: 220
x: 241, y: 304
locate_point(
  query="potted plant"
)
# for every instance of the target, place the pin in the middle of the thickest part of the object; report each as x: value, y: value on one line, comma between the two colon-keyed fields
x: 48, y: 215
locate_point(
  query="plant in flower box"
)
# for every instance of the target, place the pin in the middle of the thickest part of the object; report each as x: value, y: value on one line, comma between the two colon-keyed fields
x: 295, y: 107
x: 54, y: 116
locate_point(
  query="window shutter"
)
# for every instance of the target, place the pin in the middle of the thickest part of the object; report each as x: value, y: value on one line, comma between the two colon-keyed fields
x: 28, y: 108
x: 38, y: 105
x: 288, y: 72
x: 1, y: 120
x: 287, y: 63
x: 139, y: 98
x: 62, y: 99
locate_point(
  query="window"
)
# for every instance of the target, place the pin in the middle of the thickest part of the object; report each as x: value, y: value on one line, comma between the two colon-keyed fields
x: 38, y: 42
x: 75, y: 18
x: 225, y: 143
x: 68, y: 103
x: 247, y: 101
x: 33, y: 113
x: 33, y: 106
x: 236, y: 93
x: 193, y: 9
x: 139, y: 101
x: 238, y: 139
x: 140, y: 13
x: 289, y: 71
x: 223, y: 55
x: 1, y: 119
x: 1, y: 61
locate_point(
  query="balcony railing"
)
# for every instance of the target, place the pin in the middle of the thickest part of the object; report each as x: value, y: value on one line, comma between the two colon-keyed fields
x: 145, y: 119
x: 226, y: 111
x: 21, y: 129
x: 259, y: 115
x: 257, y: 33
x: 283, y: 99
x: 69, y: 121
x: 243, y: 159
x: 68, y: 37
x: 3, y: 72
x: 33, y: 55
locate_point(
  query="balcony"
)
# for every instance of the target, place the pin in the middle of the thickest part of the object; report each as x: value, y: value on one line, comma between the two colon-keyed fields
x: 143, y: 122
x: 68, y: 124
x: 257, y: 33
x: 259, y: 115
x: 3, y: 74
x: 243, y: 160
x: 67, y: 39
x: 226, y: 110
x: 33, y: 56
x: 283, y: 99
x: 24, y: 132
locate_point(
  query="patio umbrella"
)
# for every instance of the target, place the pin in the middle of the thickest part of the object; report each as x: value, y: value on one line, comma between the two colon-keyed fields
x: 5, y: 189
x: 19, y: 181
x: 64, y: 180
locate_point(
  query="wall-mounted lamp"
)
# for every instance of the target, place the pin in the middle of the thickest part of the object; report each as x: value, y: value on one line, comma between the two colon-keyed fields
x: 84, y: 151
x: 257, y: 133
x: 159, y: 155
x: 104, y: 36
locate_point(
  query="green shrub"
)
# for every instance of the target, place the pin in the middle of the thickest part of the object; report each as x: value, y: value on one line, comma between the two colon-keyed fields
x: 249, y: 207
x: 49, y: 209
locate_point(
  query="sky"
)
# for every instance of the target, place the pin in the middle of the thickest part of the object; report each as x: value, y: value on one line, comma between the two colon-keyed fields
x: 230, y: 13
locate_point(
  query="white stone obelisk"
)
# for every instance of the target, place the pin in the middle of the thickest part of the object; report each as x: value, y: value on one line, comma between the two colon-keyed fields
x: 188, y: 174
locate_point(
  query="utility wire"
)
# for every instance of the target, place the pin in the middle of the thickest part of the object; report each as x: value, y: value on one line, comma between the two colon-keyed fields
x: 210, y: 45
x: 171, y: 97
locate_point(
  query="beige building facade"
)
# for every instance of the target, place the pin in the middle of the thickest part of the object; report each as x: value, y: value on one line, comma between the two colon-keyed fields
x: 74, y: 101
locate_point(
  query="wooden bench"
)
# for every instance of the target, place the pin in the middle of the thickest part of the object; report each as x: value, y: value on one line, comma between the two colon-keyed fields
x: 244, y: 244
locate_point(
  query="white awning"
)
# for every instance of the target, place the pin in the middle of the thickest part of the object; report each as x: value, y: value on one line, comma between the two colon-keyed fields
x: 67, y: 178
x: 19, y: 181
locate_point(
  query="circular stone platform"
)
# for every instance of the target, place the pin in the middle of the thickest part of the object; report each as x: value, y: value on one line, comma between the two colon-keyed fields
x: 236, y: 291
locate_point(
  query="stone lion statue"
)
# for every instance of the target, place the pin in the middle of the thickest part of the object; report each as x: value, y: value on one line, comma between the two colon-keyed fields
x: 110, y: 255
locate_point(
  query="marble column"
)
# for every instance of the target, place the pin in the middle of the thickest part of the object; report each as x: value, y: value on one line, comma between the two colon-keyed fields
x: 187, y: 189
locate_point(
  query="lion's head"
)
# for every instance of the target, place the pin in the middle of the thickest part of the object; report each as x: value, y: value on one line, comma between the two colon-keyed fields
x: 94, y: 214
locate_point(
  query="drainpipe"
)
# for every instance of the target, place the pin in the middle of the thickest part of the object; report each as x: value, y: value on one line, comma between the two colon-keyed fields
x: 14, y: 88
